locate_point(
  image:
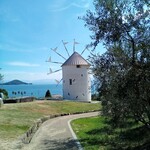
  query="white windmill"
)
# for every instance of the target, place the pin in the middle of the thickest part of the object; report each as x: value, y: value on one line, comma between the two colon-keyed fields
x: 75, y: 76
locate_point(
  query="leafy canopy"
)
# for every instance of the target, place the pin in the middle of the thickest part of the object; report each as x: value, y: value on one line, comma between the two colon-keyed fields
x: 122, y: 73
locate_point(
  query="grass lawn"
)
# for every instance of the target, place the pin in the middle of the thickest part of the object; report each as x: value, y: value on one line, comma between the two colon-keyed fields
x: 15, y: 119
x: 95, y: 134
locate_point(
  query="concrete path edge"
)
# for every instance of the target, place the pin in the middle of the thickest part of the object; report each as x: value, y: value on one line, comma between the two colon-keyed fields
x: 27, y: 137
x: 74, y: 135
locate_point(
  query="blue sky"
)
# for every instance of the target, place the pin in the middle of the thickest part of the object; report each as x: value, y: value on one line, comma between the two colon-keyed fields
x: 30, y: 28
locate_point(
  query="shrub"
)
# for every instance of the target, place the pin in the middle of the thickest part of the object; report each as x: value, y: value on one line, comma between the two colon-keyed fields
x: 48, y: 93
x: 4, y: 92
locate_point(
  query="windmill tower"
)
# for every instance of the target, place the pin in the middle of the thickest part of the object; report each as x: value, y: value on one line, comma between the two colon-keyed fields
x: 75, y: 75
x: 76, y: 79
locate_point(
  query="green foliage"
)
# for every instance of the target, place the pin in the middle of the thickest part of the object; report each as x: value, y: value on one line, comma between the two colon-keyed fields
x: 4, y: 92
x: 48, y: 93
x: 95, y: 97
x: 95, y: 133
x: 122, y: 73
x: 122, y: 22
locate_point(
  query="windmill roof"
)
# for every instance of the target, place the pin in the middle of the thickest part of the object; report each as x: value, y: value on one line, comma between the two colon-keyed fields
x: 75, y: 59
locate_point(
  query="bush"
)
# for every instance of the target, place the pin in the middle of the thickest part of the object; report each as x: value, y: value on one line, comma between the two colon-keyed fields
x: 95, y: 97
x: 4, y: 92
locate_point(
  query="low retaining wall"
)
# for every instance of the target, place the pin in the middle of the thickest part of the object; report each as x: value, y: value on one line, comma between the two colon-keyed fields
x: 27, y: 137
x: 19, y: 100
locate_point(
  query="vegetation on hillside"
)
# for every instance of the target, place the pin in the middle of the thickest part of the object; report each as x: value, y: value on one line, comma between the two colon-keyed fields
x: 15, y: 82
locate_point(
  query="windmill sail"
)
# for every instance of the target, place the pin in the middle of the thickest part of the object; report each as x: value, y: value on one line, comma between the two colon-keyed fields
x: 50, y: 71
x: 64, y: 43
x: 49, y: 60
x: 56, y: 70
x: 74, y: 45
x: 55, y: 49
x: 58, y: 82
x: 84, y: 50
x: 90, y: 51
x: 58, y: 53
x: 55, y: 62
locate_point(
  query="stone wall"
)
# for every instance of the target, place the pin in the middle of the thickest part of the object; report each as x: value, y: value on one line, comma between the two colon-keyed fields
x: 19, y: 100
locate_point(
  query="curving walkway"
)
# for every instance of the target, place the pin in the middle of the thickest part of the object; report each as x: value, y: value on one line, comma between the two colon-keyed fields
x: 56, y: 134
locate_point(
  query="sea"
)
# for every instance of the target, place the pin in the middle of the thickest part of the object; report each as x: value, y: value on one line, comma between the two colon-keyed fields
x: 35, y: 90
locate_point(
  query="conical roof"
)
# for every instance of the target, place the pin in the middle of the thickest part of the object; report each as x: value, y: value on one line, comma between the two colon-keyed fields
x: 75, y: 59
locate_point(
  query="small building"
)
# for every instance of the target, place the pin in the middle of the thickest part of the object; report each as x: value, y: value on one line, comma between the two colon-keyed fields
x: 76, y: 78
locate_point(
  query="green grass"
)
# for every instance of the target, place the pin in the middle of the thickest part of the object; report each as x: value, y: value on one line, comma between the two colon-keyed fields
x: 15, y: 119
x: 95, y: 134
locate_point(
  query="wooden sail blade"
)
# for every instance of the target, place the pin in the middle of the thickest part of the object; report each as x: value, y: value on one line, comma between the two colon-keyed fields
x: 64, y: 43
x: 90, y: 52
x: 49, y: 60
x: 58, y: 54
x: 56, y: 62
x: 84, y: 50
x: 58, y: 82
x: 74, y: 45
x: 50, y: 71
x: 56, y: 70
x: 54, y: 49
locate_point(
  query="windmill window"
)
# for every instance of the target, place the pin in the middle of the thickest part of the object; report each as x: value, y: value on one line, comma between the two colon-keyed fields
x: 78, y: 66
x: 70, y: 81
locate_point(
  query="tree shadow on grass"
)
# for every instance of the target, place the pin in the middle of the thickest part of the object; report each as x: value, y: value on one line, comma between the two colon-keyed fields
x: 135, y: 134
x: 140, y: 137
x: 99, y: 137
x: 130, y: 139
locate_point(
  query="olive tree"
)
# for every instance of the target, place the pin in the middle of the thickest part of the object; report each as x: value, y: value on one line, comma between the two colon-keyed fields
x: 122, y: 73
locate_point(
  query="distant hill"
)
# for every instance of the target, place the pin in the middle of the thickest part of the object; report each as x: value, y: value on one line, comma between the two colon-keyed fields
x: 15, y: 82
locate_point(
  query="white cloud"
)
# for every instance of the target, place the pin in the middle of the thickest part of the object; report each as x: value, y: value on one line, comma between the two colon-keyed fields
x: 22, y: 64
x: 64, y: 6
x: 14, y: 46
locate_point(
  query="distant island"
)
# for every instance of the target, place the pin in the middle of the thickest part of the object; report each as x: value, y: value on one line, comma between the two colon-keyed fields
x: 15, y: 82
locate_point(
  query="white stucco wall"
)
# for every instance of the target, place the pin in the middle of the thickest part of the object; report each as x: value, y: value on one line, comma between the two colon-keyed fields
x: 81, y: 84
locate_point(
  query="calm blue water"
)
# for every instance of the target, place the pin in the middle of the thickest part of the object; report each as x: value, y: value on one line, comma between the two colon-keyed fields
x: 32, y: 90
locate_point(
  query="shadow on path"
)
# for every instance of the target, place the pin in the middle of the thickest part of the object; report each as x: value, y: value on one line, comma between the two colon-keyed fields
x: 67, y: 144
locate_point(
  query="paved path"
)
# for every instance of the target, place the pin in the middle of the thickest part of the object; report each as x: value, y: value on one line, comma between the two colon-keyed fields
x: 55, y: 134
